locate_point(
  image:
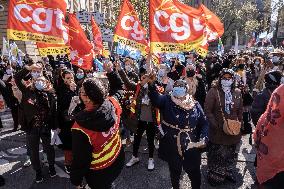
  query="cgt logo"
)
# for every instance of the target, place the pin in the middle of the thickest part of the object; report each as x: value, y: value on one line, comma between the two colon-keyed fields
x: 165, y: 22
x: 41, y: 18
x: 129, y: 23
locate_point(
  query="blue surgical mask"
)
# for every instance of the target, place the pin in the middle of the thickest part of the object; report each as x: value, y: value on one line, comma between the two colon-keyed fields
x: 35, y: 75
x: 80, y: 75
x: 179, y: 92
x: 275, y: 59
x: 257, y: 62
x: 40, y: 85
x: 226, y: 83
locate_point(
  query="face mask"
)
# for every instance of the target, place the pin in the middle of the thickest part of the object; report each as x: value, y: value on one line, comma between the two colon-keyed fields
x: 40, y: 85
x: 189, y: 61
x: 275, y: 59
x: 89, y: 75
x: 35, y: 75
x: 282, y: 80
x: 190, y: 73
x: 80, y: 76
x: 226, y: 83
x: 257, y: 62
x: 179, y: 92
x: 128, y: 68
x: 161, y: 73
x: 9, y: 71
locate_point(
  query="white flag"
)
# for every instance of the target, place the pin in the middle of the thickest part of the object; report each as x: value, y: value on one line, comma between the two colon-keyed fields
x: 237, y: 42
x: 6, y: 48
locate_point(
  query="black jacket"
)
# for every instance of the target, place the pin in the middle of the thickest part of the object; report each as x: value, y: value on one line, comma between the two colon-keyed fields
x: 100, y: 119
x: 33, y: 101
x: 5, y: 93
x: 259, y: 105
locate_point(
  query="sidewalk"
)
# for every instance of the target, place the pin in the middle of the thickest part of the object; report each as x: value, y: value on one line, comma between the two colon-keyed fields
x: 12, y: 156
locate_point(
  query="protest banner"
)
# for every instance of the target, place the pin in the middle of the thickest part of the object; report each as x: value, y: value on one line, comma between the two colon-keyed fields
x: 129, y: 30
x: 40, y: 21
x: 45, y: 49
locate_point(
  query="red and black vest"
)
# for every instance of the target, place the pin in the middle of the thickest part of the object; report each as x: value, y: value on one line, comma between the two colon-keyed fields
x: 106, y: 145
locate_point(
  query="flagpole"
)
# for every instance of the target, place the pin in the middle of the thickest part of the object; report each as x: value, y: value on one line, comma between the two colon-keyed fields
x: 9, y: 57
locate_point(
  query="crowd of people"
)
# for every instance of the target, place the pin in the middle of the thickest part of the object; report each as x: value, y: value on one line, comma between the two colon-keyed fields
x: 191, y: 107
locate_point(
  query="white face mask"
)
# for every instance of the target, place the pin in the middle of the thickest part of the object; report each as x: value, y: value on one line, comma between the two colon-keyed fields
x: 89, y: 75
x: 282, y: 80
x: 128, y: 68
x: 9, y: 71
x: 189, y: 61
x: 226, y: 83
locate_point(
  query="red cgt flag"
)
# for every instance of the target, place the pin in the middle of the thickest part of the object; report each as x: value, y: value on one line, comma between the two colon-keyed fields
x: 81, y: 50
x: 129, y: 30
x: 174, y: 27
x: 37, y: 20
x: 97, y: 37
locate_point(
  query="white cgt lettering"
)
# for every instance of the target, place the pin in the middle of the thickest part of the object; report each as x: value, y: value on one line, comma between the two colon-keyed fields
x: 136, y: 34
x: 42, y: 25
x: 179, y: 33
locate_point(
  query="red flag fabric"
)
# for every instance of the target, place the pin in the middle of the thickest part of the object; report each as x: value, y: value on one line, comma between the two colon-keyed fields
x: 214, y: 28
x: 80, y: 48
x: 82, y: 61
x: 34, y: 20
x: 97, y: 37
x: 129, y: 30
x: 174, y: 27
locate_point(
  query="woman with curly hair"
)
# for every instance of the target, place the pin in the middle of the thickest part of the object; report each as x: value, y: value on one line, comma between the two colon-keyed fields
x: 97, y: 150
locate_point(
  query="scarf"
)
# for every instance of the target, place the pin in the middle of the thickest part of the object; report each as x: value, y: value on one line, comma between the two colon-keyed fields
x: 186, y: 104
x: 228, y: 98
x: 269, y: 138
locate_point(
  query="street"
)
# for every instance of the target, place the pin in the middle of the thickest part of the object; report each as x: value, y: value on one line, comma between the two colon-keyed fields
x: 12, y: 157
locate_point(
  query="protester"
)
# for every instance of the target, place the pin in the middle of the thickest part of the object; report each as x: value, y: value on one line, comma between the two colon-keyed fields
x: 97, y: 150
x: 272, y: 81
x: 268, y: 138
x: 223, y: 102
x: 184, y: 130
x: 196, y: 84
x: 145, y: 114
x: 65, y: 92
x: 40, y: 112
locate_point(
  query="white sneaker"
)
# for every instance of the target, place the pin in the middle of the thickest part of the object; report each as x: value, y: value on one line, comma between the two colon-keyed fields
x: 133, y: 161
x: 28, y: 162
x: 151, y: 165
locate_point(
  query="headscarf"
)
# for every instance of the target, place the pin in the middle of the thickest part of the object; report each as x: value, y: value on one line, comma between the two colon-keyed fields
x: 269, y: 138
